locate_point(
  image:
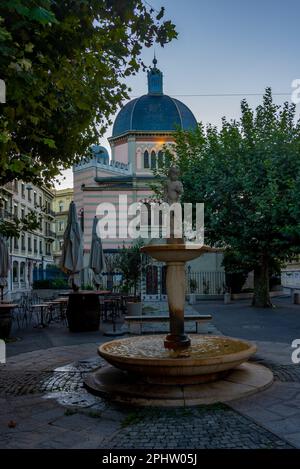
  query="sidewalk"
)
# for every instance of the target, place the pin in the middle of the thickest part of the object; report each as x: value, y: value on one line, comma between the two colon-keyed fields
x: 41, y: 393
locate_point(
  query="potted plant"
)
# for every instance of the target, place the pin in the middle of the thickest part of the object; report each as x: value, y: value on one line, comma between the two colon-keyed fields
x: 193, y: 289
x: 130, y: 264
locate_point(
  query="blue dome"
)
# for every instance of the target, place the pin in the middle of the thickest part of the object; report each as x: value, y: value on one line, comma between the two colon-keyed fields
x: 99, y: 151
x: 154, y: 112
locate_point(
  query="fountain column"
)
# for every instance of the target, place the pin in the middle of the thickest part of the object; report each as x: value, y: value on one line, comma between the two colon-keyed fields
x: 175, y: 283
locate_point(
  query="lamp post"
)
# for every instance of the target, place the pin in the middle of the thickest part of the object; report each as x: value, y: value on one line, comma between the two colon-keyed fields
x: 81, y: 216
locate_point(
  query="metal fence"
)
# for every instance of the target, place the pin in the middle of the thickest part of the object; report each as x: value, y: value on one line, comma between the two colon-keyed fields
x: 205, y: 283
x: 53, y: 273
x: 290, y: 278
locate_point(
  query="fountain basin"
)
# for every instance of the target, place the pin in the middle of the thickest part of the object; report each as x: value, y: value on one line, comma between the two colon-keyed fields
x: 176, y: 252
x: 207, y: 359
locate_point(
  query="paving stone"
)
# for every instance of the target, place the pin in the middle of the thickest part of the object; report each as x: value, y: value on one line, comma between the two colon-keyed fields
x: 42, y: 388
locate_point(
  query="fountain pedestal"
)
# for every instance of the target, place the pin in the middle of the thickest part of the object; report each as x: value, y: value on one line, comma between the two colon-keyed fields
x: 175, y: 255
x: 175, y: 283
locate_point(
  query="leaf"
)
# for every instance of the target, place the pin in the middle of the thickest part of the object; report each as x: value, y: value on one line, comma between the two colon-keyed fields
x: 42, y: 15
x: 49, y: 142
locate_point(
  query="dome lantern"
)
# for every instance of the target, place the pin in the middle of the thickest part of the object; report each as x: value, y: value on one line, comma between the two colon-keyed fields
x: 155, y: 80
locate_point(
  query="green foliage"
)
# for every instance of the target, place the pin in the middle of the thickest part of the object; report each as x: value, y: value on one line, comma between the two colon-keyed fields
x: 193, y: 285
x: 55, y: 284
x: 64, y: 65
x: 129, y: 261
x: 87, y: 286
x: 14, y: 226
x: 248, y: 176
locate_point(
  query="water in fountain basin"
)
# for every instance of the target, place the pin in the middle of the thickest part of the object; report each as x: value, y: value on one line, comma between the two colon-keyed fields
x: 153, y: 347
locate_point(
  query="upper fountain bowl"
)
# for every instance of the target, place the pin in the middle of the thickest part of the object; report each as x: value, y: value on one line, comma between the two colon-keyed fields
x: 176, y: 252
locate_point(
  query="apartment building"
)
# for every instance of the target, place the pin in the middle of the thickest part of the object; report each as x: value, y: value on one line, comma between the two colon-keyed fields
x: 31, y: 253
x: 61, y: 202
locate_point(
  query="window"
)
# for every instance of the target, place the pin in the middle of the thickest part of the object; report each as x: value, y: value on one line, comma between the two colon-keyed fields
x: 160, y: 159
x: 35, y: 245
x: 61, y: 225
x: 23, y: 247
x: 41, y: 223
x: 40, y: 201
x: 146, y: 159
x: 22, y: 271
x: 23, y: 190
x: 22, y: 212
x: 15, y: 271
x: 29, y: 195
x: 16, y: 188
x: 61, y: 206
x: 41, y: 247
x: 16, y: 210
x: 35, y: 198
x: 29, y: 244
x: 153, y: 160
x: 16, y: 243
x: 151, y: 280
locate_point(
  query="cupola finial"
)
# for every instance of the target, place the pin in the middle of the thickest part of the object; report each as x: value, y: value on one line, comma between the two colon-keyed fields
x: 154, y: 61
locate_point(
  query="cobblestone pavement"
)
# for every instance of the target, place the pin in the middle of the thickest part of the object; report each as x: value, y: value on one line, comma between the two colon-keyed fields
x: 44, y: 405
x: 215, y: 426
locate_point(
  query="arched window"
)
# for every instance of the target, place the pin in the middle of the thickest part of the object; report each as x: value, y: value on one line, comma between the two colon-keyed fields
x: 163, y: 280
x: 22, y: 271
x: 146, y: 219
x: 146, y: 160
x: 151, y: 280
x: 15, y: 271
x: 153, y: 159
x: 160, y: 159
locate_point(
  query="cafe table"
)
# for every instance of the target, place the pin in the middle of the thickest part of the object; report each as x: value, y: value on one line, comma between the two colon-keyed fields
x: 41, y: 307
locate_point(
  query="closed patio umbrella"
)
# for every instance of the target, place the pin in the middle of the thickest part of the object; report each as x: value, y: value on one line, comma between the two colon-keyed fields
x: 97, y: 259
x: 72, y: 251
x: 4, y: 264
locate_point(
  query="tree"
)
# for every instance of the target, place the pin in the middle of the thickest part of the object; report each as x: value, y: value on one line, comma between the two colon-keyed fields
x: 248, y: 176
x: 130, y: 263
x: 64, y: 65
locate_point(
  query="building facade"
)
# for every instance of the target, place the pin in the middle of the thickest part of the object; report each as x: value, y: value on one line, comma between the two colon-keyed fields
x: 31, y: 253
x: 142, y: 131
x: 61, y: 201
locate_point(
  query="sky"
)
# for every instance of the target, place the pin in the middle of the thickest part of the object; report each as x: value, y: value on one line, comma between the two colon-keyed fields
x: 223, y: 47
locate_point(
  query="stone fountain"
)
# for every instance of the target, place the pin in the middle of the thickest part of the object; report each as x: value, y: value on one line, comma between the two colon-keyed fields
x: 177, y: 369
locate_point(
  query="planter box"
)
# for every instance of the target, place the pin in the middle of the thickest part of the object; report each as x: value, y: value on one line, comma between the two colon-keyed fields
x: 227, y: 298
x: 192, y: 298
x: 5, y: 323
x: 134, y: 309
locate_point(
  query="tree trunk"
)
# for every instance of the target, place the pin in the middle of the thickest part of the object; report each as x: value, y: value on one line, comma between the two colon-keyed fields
x: 261, y: 296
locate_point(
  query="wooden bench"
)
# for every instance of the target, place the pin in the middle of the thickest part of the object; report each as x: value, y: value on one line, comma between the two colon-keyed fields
x: 140, y: 320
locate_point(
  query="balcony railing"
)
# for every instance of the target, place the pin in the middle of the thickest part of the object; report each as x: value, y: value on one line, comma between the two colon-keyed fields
x: 6, y: 214
x: 50, y: 212
x: 50, y: 234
